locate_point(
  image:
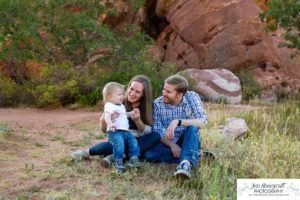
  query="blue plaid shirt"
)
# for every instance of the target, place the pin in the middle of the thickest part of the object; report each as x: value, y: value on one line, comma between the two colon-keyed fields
x: 191, y: 107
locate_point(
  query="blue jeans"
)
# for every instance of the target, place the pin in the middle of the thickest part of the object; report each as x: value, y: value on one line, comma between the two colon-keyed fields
x: 145, y: 143
x: 118, y: 139
x: 189, y: 143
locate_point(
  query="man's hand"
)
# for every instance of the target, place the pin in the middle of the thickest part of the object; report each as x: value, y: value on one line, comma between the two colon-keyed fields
x: 170, y: 130
x: 176, y: 150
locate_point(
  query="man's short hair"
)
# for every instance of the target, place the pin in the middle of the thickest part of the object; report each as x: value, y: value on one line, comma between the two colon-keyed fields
x: 182, y: 85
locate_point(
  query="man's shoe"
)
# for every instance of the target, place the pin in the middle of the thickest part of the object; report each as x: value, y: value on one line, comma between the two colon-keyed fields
x: 134, y: 162
x: 81, y: 155
x: 183, y: 170
x: 119, y: 165
x: 107, y: 161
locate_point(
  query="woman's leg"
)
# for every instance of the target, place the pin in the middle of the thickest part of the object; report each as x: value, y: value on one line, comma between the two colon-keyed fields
x: 147, y: 141
x: 101, y: 149
x: 160, y: 153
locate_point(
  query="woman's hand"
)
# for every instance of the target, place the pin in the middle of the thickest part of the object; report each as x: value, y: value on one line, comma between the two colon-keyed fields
x: 114, y: 116
x: 135, y: 114
x: 102, y: 123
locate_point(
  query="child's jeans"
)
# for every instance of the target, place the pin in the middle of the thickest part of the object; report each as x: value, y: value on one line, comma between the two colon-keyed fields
x: 120, y: 138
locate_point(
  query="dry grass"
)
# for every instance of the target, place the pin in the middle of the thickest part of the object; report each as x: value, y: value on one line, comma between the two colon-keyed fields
x: 270, y: 150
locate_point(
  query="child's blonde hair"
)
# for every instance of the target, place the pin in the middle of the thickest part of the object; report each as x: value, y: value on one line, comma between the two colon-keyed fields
x: 108, y: 89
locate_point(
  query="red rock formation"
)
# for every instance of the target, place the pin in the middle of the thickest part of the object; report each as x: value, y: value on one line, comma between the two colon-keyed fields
x: 215, y: 33
x: 224, y: 33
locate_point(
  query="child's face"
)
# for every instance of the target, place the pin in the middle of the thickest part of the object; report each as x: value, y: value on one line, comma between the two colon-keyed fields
x: 116, y: 96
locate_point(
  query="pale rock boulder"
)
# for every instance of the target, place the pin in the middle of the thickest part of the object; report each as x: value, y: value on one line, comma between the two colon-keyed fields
x: 234, y: 128
x: 215, y: 84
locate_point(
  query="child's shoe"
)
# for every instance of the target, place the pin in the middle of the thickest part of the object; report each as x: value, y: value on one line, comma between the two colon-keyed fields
x: 134, y: 162
x: 119, y: 165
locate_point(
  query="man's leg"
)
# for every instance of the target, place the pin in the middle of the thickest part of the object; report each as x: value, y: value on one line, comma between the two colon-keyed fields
x: 190, y: 148
x: 160, y: 153
x: 190, y: 154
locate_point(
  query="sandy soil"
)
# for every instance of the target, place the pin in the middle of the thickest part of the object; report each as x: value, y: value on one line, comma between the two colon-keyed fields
x: 38, y: 139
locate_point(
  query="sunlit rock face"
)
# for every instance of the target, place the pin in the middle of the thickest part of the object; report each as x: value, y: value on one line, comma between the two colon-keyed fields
x: 217, y: 33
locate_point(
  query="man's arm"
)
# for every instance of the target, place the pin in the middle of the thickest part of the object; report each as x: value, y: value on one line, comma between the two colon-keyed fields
x: 157, y: 125
x: 190, y: 122
x: 197, y: 111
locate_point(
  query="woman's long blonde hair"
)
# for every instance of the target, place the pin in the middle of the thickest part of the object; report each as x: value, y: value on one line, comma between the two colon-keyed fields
x: 146, y: 100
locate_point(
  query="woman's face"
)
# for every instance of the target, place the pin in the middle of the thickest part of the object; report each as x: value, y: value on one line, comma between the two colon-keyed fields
x: 135, y: 92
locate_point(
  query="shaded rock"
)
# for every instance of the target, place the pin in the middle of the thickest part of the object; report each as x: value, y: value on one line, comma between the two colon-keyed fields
x: 216, y: 84
x: 163, y: 7
x: 276, y: 82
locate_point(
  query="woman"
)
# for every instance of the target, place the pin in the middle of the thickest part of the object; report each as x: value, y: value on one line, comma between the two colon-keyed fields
x: 138, y: 98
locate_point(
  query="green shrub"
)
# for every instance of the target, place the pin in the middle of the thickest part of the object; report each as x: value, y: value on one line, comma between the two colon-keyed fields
x: 284, y: 95
x: 65, y: 40
x: 57, y: 85
x: 53, y: 31
x: 8, y: 91
x: 250, y: 87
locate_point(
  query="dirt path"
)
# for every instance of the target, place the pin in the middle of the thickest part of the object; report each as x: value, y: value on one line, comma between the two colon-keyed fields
x: 38, y: 138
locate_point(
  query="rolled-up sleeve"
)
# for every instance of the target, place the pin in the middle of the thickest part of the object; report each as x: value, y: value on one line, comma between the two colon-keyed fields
x: 198, y: 108
x: 147, y: 129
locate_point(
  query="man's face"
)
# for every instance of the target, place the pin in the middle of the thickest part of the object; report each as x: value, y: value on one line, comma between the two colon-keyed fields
x: 171, y: 96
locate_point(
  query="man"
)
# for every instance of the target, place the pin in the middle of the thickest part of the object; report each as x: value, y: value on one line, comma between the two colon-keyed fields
x: 178, y: 115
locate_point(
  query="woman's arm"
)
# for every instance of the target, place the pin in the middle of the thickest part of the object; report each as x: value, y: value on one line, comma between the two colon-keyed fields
x: 102, y: 123
x: 136, y: 117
